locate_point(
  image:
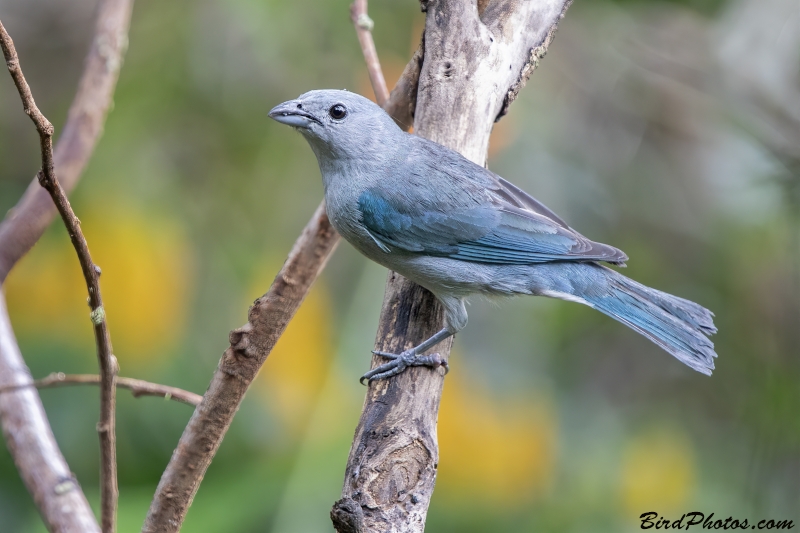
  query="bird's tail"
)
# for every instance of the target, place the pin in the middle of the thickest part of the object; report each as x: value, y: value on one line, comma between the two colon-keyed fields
x: 678, y: 326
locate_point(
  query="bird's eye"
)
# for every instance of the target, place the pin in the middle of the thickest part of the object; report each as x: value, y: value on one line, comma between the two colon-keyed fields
x: 337, y: 112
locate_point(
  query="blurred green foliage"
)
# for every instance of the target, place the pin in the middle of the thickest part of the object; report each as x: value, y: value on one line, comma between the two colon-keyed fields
x: 664, y: 128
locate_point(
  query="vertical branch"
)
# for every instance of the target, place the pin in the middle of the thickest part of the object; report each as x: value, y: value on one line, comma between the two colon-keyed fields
x: 106, y: 428
x: 108, y: 364
x: 403, y: 99
x: 364, y: 25
x: 475, y: 63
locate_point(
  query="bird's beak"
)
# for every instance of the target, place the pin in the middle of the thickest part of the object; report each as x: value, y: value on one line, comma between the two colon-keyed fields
x: 291, y: 113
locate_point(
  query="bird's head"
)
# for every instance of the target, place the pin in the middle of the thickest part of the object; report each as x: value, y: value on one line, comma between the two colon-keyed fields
x: 338, y: 124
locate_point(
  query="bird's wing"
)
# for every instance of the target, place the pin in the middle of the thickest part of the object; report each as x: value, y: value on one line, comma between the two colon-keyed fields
x: 445, y: 205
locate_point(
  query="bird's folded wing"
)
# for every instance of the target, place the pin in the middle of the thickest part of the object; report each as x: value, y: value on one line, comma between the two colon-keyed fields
x: 484, y: 220
x: 522, y: 237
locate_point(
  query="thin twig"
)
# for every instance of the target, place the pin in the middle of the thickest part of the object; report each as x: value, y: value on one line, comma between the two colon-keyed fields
x: 137, y: 386
x: 91, y: 273
x: 364, y: 24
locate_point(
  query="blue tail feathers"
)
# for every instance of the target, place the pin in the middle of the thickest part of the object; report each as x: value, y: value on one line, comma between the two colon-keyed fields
x: 678, y: 326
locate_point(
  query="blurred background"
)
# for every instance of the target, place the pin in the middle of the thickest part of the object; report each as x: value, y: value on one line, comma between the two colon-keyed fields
x: 668, y: 129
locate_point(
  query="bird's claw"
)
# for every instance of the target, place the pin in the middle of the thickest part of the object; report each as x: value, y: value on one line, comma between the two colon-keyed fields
x: 387, y: 354
x: 400, y: 362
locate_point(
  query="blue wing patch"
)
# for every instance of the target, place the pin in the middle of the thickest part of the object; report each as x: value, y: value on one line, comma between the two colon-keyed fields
x: 481, y: 229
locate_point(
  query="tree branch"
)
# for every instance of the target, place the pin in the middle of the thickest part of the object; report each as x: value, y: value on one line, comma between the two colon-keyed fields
x: 249, y: 347
x: 108, y: 363
x: 137, y: 386
x: 401, y: 102
x: 493, y: 58
x: 33, y: 447
x: 25, y: 426
x: 475, y: 63
x: 364, y: 24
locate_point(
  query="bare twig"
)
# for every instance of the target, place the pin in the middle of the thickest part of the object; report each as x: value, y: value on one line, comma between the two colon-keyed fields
x: 137, y: 386
x: 91, y: 273
x: 475, y: 63
x: 364, y: 24
x: 250, y: 346
x: 31, y: 443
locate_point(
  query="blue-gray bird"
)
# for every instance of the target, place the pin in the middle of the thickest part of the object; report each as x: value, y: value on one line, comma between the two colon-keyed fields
x: 457, y: 229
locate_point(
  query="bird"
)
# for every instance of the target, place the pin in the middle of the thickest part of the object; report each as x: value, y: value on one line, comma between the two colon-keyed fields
x: 460, y: 230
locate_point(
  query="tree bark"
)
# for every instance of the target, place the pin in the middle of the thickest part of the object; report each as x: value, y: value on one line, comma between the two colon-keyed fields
x: 30, y: 441
x: 477, y: 57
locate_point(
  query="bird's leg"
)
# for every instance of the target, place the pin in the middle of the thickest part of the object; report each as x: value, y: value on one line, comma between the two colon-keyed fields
x: 400, y: 362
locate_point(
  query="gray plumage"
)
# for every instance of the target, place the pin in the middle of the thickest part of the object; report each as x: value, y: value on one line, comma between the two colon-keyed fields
x: 458, y: 229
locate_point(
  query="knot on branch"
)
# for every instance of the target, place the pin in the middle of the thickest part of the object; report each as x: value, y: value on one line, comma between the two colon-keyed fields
x: 347, y: 516
x: 241, y: 359
x: 107, y: 50
x: 98, y: 316
x: 364, y: 22
x: 402, y: 472
x: 240, y: 340
x: 65, y: 484
x: 254, y: 310
x: 44, y: 181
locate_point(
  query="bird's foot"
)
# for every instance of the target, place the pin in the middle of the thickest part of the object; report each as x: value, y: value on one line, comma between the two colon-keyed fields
x: 400, y: 362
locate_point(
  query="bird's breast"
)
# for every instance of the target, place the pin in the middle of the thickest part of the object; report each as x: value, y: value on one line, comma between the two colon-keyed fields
x: 341, y: 199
